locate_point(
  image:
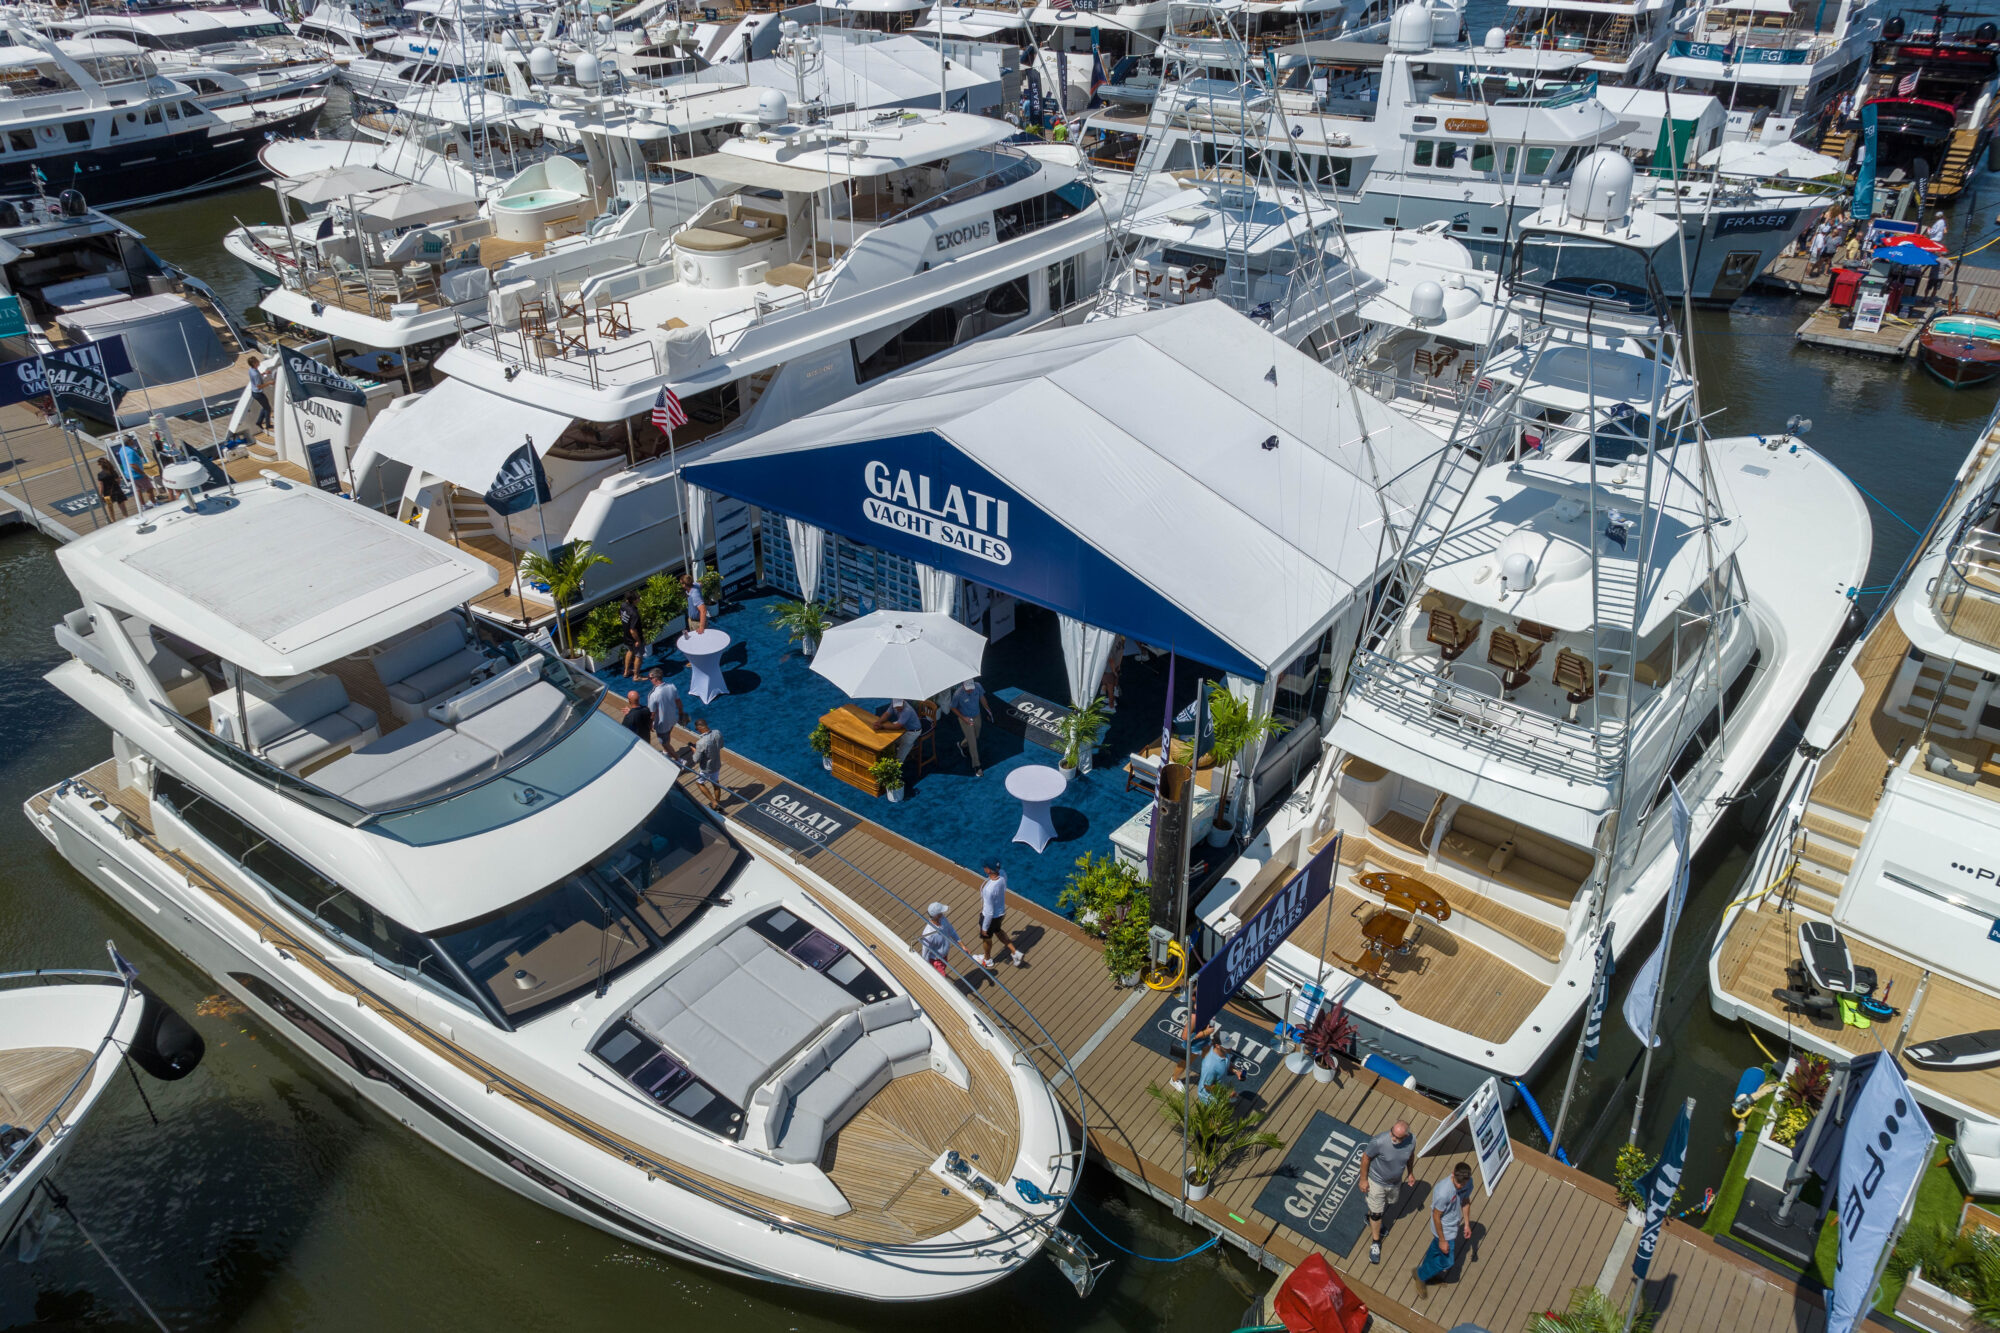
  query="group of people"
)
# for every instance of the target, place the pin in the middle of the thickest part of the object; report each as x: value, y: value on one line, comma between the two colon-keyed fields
x: 1838, y: 238
x: 1388, y: 1166
x: 633, y: 625
x: 967, y: 703
x: 939, y: 935
x: 653, y: 719
x: 122, y: 474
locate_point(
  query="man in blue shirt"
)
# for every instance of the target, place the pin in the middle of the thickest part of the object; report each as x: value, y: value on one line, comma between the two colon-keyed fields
x: 969, y: 706
x: 1451, y: 1223
x: 665, y: 705
x: 900, y: 714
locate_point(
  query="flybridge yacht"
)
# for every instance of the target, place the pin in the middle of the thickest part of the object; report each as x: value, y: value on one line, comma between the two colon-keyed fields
x: 1594, y: 601
x: 425, y: 854
x: 94, y: 114
x: 1408, y: 133
x: 1621, y: 41
x: 1776, y: 65
x: 227, y: 54
x: 347, y: 29
x: 841, y: 252
x: 1876, y: 878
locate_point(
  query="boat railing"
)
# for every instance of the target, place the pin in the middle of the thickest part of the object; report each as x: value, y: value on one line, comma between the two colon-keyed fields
x: 1452, y: 388
x: 733, y: 324
x: 57, y: 1114
x: 1966, y: 593
x: 1532, y: 740
x: 548, y: 350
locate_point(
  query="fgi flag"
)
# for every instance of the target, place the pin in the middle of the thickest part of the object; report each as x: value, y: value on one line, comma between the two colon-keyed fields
x: 307, y: 378
x: 1600, y: 995
x: 1641, y: 999
x: 520, y: 484
x: 1885, y: 1146
x: 1659, y: 1186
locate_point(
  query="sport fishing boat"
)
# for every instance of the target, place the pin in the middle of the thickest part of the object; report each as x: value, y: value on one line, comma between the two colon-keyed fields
x: 1870, y: 901
x: 1595, y: 601
x: 422, y: 852
x: 1778, y: 66
x: 836, y: 253
x: 1961, y: 350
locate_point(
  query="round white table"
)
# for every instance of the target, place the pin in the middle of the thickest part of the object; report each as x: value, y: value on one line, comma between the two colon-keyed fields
x: 1036, y: 787
x: 704, y: 654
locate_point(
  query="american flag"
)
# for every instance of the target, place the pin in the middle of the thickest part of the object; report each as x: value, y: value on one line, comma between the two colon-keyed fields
x: 668, y: 412
x: 1062, y: 6
x: 1908, y: 85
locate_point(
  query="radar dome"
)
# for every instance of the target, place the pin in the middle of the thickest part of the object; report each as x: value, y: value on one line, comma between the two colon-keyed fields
x: 1410, y: 28
x: 1601, y: 189
x: 773, y: 107
x: 1496, y: 39
x: 1427, y: 303
x: 586, y: 70
x: 541, y: 64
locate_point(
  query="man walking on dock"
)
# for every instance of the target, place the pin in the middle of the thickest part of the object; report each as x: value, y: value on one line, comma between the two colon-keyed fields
x: 1387, y: 1164
x: 1451, y: 1222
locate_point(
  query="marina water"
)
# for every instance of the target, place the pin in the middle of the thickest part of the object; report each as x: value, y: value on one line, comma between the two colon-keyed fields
x: 270, y: 1198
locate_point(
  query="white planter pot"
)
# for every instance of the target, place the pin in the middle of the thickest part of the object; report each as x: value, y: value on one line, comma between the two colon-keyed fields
x: 809, y: 646
x: 1196, y: 1191
x: 1129, y: 980
x: 1068, y: 773
x: 826, y: 762
x: 1323, y: 1073
x: 1928, y: 1306
x: 1770, y: 1161
x: 1220, y: 834
x: 1297, y: 1061
x: 895, y: 794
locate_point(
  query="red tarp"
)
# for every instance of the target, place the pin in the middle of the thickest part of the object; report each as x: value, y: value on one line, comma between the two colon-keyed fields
x: 1315, y: 1300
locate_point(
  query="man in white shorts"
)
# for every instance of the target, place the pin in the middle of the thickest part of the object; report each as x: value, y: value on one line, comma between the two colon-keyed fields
x: 1387, y: 1164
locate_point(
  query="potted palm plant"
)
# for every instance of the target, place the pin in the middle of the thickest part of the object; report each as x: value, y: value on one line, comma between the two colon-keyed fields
x: 563, y: 571
x: 1216, y: 1132
x: 888, y: 774
x: 804, y: 623
x: 1591, y: 1311
x: 821, y: 741
x: 1232, y: 728
x: 1330, y: 1037
x: 1079, y: 730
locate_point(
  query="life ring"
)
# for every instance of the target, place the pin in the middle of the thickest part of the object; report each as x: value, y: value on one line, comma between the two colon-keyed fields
x: 47, y: 132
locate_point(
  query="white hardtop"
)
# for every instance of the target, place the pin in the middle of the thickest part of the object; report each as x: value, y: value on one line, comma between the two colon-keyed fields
x: 1545, y: 60
x: 272, y: 576
x: 854, y: 144
x: 1406, y: 258
x: 1542, y: 510
x: 1244, y: 219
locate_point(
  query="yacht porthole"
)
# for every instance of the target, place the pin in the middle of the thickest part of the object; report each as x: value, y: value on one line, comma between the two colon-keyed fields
x: 131, y: 118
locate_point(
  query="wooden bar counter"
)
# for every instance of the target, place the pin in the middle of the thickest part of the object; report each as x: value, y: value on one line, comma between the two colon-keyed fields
x: 857, y: 744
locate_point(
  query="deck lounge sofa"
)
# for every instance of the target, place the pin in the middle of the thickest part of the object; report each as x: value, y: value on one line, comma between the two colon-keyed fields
x: 427, y: 666
x: 298, y: 727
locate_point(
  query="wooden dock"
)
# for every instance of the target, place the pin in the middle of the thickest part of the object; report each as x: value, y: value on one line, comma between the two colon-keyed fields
x: 1547, y: 1230
x: 1975, y: 291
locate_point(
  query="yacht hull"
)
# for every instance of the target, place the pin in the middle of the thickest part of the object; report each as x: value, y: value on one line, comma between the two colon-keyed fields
x: 155, y: 169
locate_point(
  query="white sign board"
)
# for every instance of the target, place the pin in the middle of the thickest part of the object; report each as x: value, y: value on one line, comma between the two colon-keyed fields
x: 1484, y: 1115
x: 1869, y: 310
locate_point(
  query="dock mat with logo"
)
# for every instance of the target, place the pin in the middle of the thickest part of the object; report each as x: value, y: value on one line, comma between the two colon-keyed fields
x: 1251, y: 1055
x: 1317, y: 1189
x: 1029, y: 716
x: 795, y: 819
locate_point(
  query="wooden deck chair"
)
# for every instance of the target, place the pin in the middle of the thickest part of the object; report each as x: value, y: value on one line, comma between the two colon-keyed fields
x: 1514, y: 656
x: 1576, y: 675
x: 1451, y: 635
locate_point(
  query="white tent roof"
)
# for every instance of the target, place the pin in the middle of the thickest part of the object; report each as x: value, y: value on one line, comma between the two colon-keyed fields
x: 461, y: 433
x: 1146, y: 438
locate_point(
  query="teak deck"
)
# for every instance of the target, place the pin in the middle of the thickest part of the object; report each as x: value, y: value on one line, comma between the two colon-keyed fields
x: 34, y: 1078
x: 1547, y: 1230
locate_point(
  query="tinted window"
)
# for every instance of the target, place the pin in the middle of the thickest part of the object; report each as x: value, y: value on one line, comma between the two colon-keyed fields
x: 1447, y: 155
x: 1424, y: 149
x: 1482, y: 157
x: 1539, y: 159
x: 77, y: 131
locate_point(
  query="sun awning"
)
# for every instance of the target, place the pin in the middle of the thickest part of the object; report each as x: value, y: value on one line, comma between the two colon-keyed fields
x: 462, y: 433
x: 735, y: 170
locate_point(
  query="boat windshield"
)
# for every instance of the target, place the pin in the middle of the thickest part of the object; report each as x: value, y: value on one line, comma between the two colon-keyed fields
x: 601, y: 918
x: 1600, y: 272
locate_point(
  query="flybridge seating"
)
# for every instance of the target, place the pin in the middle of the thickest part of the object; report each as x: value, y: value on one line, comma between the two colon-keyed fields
x: 775, y: 1034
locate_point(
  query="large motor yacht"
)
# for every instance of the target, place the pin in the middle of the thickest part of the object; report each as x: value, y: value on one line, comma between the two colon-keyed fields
x: 1876, y: 880
x: 226, y: 54
x: 841, y: 252
x: 425, y: 854
x: 1778, y: 68
x: 1925, y: 106
x: 1595, y: 601
x: 1621, y: 41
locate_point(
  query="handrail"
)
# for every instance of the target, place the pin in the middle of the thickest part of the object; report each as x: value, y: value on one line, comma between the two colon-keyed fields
x: 1536, y: 741
x: 33, y: 1143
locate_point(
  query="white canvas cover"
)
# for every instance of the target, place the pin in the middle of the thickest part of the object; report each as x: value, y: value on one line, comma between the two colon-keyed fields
x: 460, y: 432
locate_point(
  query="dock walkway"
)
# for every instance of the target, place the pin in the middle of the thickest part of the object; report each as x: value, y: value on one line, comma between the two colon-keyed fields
x: 1547, y: 1230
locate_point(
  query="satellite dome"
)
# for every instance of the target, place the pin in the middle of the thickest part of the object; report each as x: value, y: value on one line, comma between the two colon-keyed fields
x: 1496, y: 39
x: 586, y: 70
x: 1601, y: 189
x: 541, y: 64
x: 773, y: 107
x: 1410, y: 28
x: 1427, y: 303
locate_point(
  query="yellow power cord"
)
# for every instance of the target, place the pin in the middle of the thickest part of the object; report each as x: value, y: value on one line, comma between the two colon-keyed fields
x: 1158, y: 978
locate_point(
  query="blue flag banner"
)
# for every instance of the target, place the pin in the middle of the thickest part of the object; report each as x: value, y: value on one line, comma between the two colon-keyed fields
x: 1639, y: 1001
x: 24, y: 379
x: 1883, y: 1153
x: 520, y: 484
x: 1864, y: 175
x: 1600, y: 996
x: 1259, y: 937
x: 1659, y: 1186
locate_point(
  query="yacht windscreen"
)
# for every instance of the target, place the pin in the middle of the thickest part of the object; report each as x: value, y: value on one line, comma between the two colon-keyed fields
x: 1603, y: 272
x: 601, y: 918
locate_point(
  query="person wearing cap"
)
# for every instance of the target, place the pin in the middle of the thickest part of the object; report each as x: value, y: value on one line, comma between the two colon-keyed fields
x: 969, y: 706
x: 938, y: 937
x: 133, y: 464
x: 900, y: 714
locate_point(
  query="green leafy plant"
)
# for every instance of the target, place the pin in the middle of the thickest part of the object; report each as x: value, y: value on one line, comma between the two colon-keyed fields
x: 1100, y: 892
x: 711, y: 586
x: 821, y: 741
x: 1788, y: 1122
x: 1217, y: 1133
x: 1964, y: 1263
x: 563, y: 571
x: 1079, y: 727
x: 1808, y: 1082
x: 661, y: 601
x: 1632, y: 1163
x: 1232, y: 728
x: 887, y: 772
x: 1330, y: 1036
x: 1591, y: 1311
x: 803, y: 622
x: 1127, y: 944
x: 602, y: 634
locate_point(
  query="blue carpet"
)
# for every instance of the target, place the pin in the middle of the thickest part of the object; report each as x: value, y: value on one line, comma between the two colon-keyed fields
x: 775, y: 701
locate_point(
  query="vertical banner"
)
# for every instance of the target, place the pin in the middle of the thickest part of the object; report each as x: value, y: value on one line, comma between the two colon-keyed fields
x: 1259, y: 937
x: 1659, y: 1186
x: 1600, y: 995
x: 1883, y: 1153
x: 1643, y: 999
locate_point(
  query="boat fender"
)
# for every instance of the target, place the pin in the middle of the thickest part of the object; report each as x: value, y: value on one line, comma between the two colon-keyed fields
x: 165, y: 1046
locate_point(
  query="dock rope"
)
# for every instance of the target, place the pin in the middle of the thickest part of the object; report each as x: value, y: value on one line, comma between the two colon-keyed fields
x: 1032, y: 1193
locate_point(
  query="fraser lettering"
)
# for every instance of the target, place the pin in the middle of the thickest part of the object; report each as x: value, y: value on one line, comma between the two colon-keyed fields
x: 949, y: 515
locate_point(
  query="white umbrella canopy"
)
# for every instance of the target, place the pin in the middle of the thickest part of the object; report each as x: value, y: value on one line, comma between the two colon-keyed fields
x: 899, y: 655
x: 1770, y: 159
x: 412, y: 205
x: 321, y: 187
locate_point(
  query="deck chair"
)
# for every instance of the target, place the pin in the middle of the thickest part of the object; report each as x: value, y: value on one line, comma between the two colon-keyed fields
x: 1177, y: 283
x: 1451, y: 635
x: 573, y: 333
x: 1514, y: 656
x: 1577, y: 676
x: 351, y: 279
x: 1425, y: 365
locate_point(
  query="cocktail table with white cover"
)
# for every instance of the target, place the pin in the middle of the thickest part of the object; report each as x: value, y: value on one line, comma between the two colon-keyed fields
x: 1037, y: 787
x: 704, y: 654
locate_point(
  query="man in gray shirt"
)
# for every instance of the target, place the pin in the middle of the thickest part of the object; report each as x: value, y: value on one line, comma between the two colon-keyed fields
x: 900, y: 714
x: 1387, y: 1164
x: 706, y: 756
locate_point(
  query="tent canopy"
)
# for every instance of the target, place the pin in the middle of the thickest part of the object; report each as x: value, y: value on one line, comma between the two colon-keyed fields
x: 1179, y: 476
x: 462, y: 433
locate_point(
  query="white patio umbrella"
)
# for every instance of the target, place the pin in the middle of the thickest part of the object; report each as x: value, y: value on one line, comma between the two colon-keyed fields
x: 899, y: 655
x: 412, y: 205
x: 320, y: 187
x: 1768, y: 160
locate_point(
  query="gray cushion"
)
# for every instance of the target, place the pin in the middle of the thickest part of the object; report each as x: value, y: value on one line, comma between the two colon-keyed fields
x: 410, y: 761
x: 424, y: 648
x: 803, y: 1138
x: 722, y: 1064
x: 512, y: 722
x: 439, y: 678
x: 313, y: 740
x: 479, y: 698
x: 906, y: 1046
x: 882, y: 1013
x: 273, y: 718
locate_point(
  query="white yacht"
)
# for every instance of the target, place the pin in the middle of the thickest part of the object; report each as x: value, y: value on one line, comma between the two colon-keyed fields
x: 1621, y: 40
x: 349, y: 29
x: 227, y: 54
x: 1408, y: 133
x: 1595, y: 599
x: 1875, y: 880
x: 841, y: 252
x: 1778, y: 66
x: 466, y: 892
